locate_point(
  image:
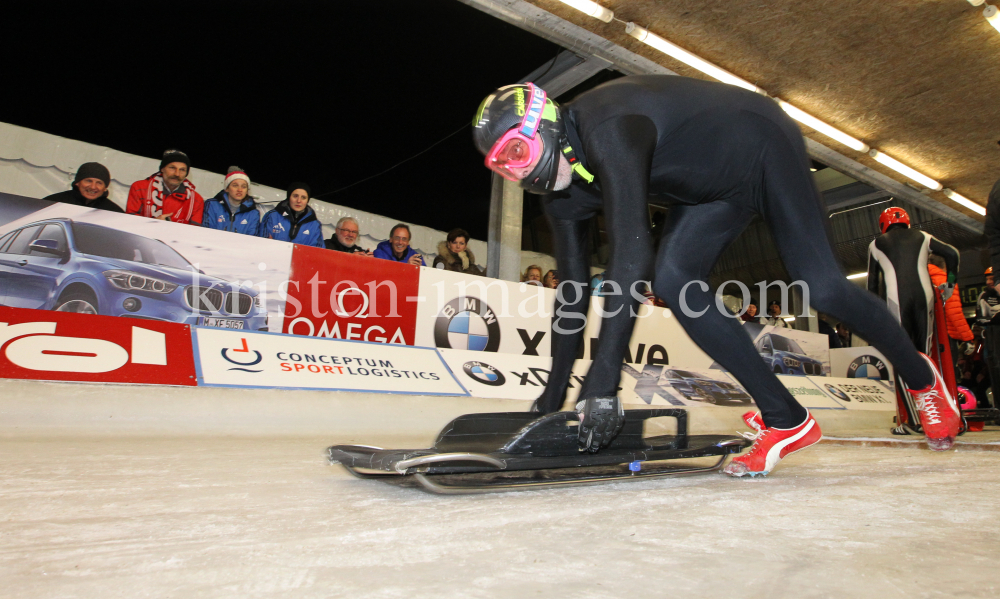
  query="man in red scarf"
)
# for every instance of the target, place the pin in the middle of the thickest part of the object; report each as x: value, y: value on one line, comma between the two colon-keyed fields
x: 167, y: 194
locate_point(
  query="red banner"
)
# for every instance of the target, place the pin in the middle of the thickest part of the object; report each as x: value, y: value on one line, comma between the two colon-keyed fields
x: 65, y: 346
x: 345, y: 296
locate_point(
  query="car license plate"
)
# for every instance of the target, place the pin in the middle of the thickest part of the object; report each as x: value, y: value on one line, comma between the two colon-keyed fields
x: 222, y: 323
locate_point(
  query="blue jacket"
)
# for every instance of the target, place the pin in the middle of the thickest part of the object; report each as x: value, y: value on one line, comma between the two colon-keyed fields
x: 384, y: 251
x: 282, y: 225
x: 246, y: 221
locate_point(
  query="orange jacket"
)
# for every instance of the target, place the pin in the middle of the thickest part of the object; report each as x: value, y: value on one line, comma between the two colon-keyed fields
x: 957, y: 327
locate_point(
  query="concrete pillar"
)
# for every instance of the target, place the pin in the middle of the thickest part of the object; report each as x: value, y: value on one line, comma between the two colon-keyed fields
x: 503, y: 259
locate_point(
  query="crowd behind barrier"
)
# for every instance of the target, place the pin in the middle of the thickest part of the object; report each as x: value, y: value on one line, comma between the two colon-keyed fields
x: 170, y: 196
x: 36, y: 164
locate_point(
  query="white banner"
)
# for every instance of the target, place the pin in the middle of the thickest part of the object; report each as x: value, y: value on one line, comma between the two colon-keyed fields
x: 861, y: 363
x: 466, y: 312
x: 243, y: 359
x: 507, y: 376
x: 858, y: 394
x: 807, y: 392
x: 474, y: 313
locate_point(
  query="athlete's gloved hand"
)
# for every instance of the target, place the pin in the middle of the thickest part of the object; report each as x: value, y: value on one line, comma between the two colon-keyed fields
x: 946, y: 290
x: 601, y: 418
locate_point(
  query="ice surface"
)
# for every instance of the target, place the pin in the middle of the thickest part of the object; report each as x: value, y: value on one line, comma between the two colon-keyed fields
x: 88, y: 513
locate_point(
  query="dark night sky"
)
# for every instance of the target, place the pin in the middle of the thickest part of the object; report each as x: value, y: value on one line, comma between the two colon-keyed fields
x: 324, y: 92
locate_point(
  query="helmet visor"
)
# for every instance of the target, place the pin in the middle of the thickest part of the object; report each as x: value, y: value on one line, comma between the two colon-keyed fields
x: 513, y: 152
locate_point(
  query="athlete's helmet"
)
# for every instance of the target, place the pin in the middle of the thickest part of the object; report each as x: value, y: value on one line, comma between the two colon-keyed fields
x: 892, y: 216
x: 516, y: 124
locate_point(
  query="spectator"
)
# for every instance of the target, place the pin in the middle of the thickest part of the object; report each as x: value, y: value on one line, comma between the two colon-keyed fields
x: 233, y: 209
x: 988, y: 303
x: 824, y: 328
x: 992, y: 225
x: 345, y: 237
x: 397, y: 247
x: 988, y: 315
x: 167, y: 194
x: 975, y: 374
x: 773, y: 317
x: 551, y: 280
x: 958, y: 329
x: 455, y: 255
x: 532, y: 275
x: 293, y: 220
x: 844, y: 334
x: 89, y: 188
x: 750, y: 315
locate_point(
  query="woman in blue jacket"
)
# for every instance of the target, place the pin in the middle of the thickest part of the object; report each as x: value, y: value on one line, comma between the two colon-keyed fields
x: 293, y: 220
x: 233, y: 209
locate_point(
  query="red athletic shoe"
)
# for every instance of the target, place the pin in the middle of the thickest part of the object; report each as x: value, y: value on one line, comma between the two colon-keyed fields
x: 938, y: 413
x: 771, y: 445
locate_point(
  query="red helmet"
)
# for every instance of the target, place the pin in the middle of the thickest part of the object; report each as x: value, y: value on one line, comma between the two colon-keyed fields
x: 989, y: 271
x: 891, y: 216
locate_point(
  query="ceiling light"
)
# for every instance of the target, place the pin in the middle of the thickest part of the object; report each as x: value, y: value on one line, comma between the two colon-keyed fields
x: 789, y: 319
x: 902, y: 169
x: 992, y: 15
x: 651, y: 39
x: 857, y: 275
x: 592, y: 9
x: 827, y: 130
x: 964, y: 201
x: 976, y: 2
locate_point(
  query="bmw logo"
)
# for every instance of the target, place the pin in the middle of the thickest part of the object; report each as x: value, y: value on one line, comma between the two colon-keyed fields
x: 834, y: 391
x: 868, y: 367
x: 484, y: 373
x: 467, y: 323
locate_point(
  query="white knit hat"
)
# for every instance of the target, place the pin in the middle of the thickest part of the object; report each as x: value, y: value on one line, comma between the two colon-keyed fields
x: 235, y: 173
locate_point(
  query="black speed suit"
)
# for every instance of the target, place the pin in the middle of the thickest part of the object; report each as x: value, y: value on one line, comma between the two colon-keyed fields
x: 897, y: 268
x: 722, y: 153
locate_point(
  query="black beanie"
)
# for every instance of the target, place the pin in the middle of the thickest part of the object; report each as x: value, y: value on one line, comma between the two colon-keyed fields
x: 93, y: 170
x: 175, y: 156
x: 298, y: 185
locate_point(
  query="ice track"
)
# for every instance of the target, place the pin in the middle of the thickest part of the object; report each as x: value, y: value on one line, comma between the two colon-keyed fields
x: 88, y: 512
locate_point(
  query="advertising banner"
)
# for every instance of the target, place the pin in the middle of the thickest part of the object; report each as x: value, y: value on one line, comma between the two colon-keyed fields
x: 859, y: 394
x: 246, y: 359
x: 350, y: 296
x: 507, y: 376
x: 697, y: 387
x: 790, y: 351
x: 808, y: 392
x: 464, y: 312
x: 657, y: 339
x: 63, y: 346
x: 861, y: 363
x: 72, y: 258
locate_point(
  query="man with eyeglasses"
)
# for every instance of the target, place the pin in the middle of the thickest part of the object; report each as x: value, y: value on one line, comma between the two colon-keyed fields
x: 345, y: 238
